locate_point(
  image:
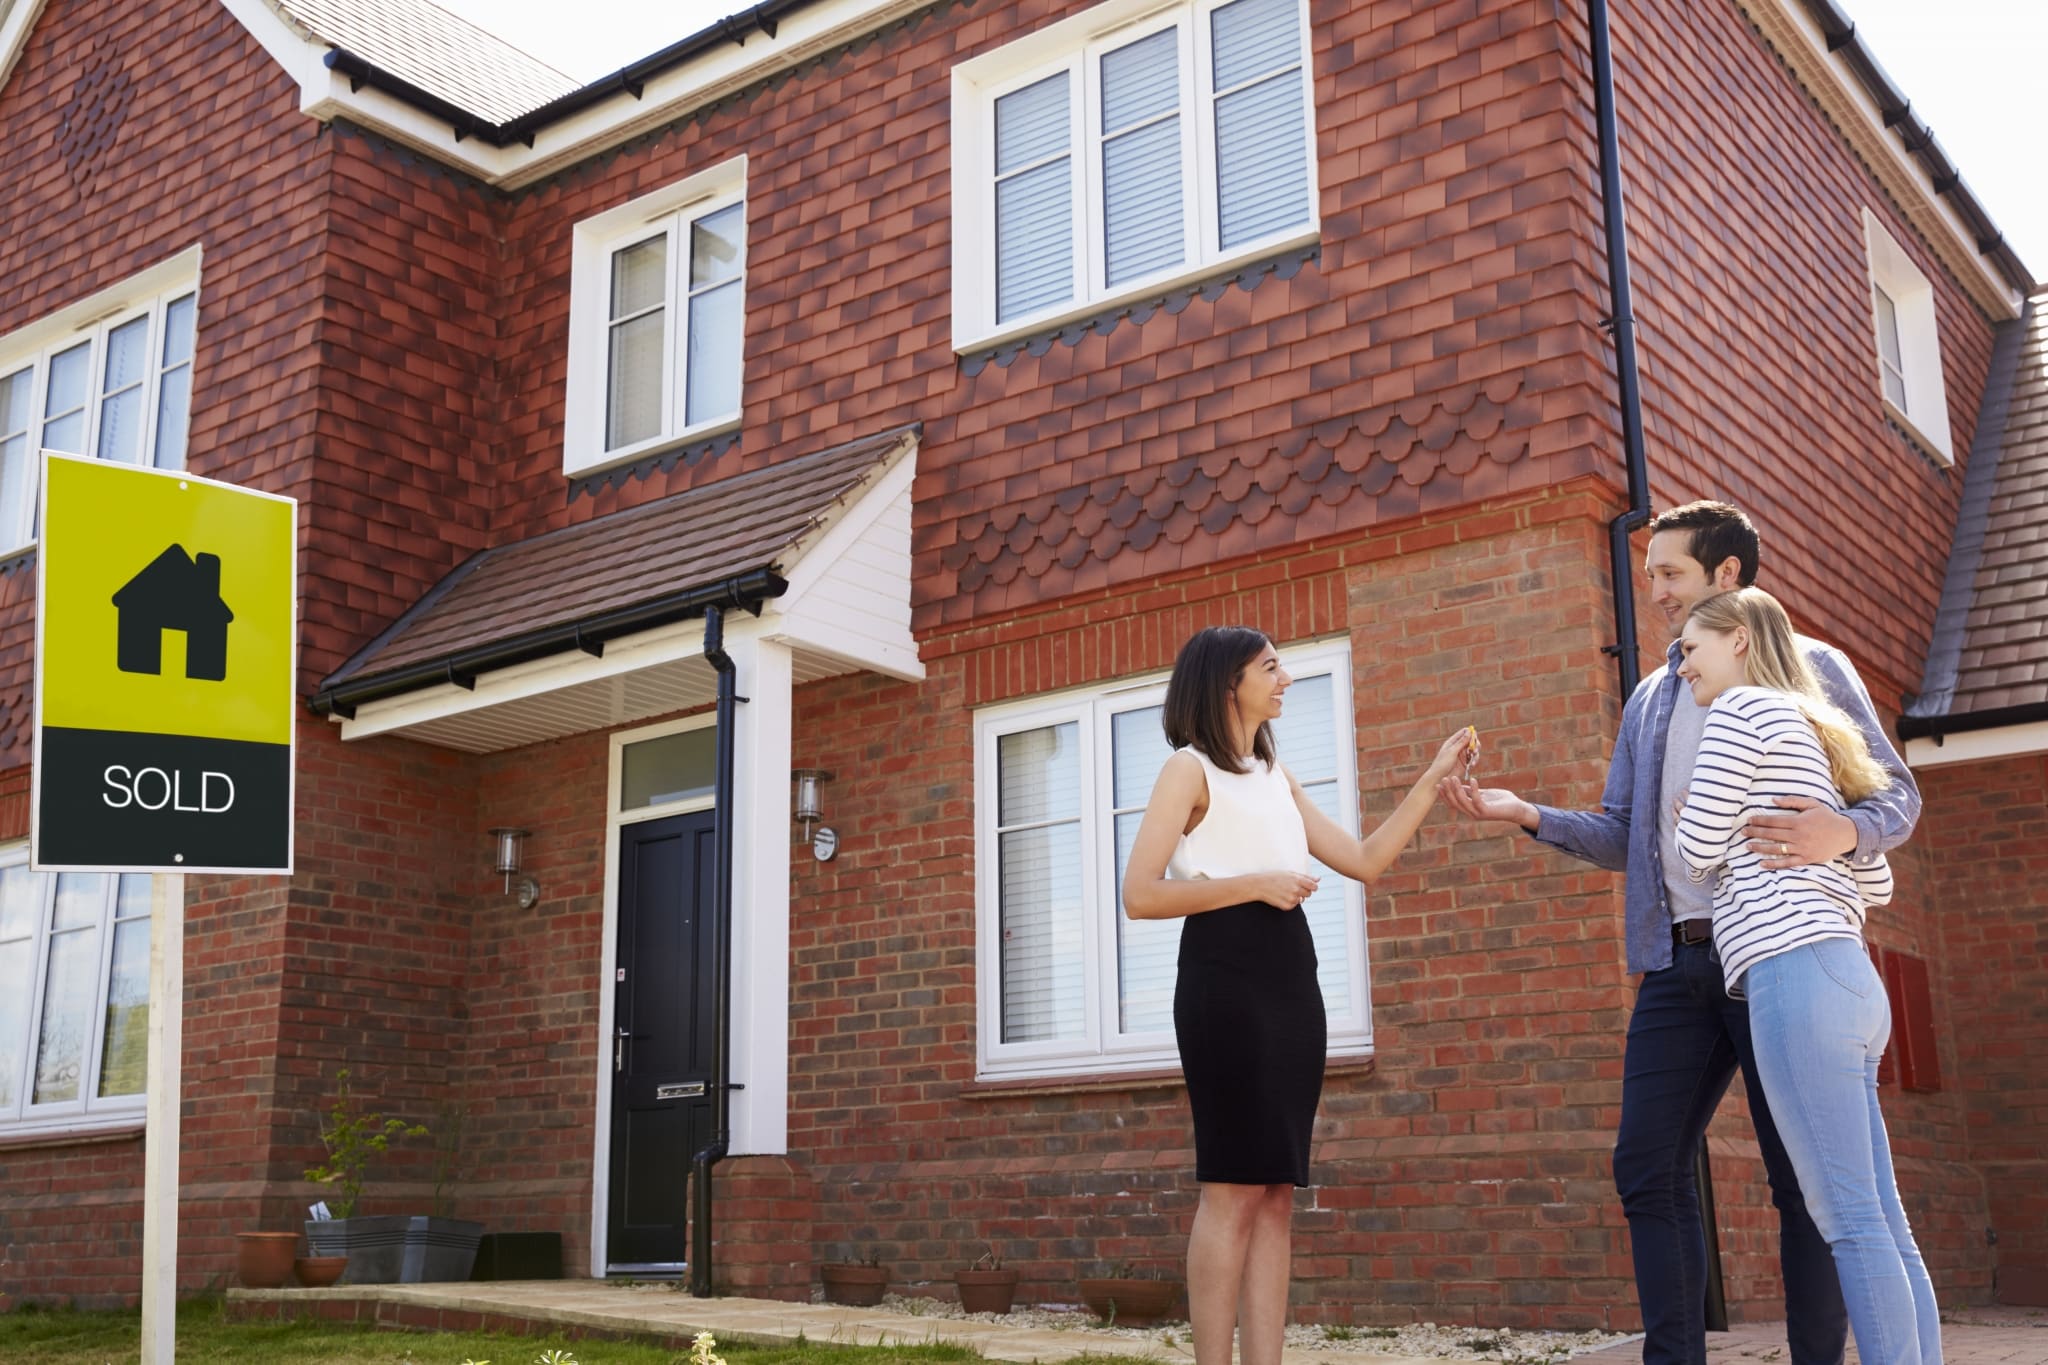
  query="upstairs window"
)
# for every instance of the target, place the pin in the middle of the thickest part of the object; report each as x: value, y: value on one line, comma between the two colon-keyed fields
x: 116, y: 385
x: 1908, y: 348
x: 657, y: 321
x: 1101, y: 159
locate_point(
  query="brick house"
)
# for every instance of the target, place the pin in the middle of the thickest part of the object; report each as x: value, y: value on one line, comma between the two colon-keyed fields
x: 868, y: 330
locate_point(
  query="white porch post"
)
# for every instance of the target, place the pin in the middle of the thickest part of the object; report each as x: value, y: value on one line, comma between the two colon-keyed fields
x: 760, y: 895
x: 160, y: 1141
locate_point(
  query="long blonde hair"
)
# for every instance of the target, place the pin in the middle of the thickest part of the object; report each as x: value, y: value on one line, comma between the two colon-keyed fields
x: 1775, y: 662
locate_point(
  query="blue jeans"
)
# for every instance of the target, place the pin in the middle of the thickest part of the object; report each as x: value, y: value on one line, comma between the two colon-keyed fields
x: 1820, y: 1019
x: 1686, y: 1040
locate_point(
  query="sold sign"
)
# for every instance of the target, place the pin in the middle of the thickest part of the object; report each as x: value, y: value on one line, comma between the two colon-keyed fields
x: 165, y: 633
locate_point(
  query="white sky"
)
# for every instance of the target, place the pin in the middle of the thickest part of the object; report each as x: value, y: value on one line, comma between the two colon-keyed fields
x: 1963, y: 63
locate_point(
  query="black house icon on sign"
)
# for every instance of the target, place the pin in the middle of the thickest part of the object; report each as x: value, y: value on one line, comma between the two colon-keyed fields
x: 175, y: 592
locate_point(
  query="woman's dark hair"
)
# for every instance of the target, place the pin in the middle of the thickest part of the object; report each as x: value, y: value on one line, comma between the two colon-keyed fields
x: 1198, y: 695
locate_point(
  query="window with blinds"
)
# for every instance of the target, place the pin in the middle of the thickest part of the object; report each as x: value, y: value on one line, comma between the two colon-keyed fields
x: 119, y: 388
x: 1120, y: 161
x: 1072, y: 985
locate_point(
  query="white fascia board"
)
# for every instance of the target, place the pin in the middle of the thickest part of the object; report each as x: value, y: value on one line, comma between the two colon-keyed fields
x: 14, y: 34
x: 704, y: 79
x: 571, y: 668
x: 1845, y: 94
x: 1979, y: 746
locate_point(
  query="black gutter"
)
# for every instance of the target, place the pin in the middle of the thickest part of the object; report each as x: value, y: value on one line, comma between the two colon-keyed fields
x: 721, y: 957
x: 1621, y: 558
x: 746, y: 590
x: 628, y: 80
x: 1991, y: 718
x: 1897, y: 112
x: 1622, y: 324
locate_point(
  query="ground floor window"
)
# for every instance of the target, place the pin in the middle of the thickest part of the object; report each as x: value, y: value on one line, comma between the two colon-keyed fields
x: 74, y: 995
x: 1067, y: 983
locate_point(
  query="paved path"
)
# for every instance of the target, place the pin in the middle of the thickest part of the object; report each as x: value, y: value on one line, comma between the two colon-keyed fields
x: 1979, y: 1336
x: 1969, y: 1336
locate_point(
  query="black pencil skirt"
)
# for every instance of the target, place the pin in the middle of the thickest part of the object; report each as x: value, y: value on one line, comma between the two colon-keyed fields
x: 1248, y: 1015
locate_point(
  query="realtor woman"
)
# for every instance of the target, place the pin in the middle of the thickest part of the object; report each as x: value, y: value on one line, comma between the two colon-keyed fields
x: 1225, y: 844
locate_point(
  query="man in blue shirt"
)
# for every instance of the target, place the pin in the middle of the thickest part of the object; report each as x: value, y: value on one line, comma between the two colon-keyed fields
x: 1686, y: 1038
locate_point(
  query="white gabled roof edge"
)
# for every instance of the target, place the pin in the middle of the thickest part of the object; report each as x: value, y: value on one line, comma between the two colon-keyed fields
x: 14, y: 30
x: 703, y: 79
x: 1802, y: 45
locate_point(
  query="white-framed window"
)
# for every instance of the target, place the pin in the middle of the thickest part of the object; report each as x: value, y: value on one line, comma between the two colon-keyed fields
x: 657, y: 320
x: 1126, y: 149
x: 111, y: 378
x: 1068, y: 984
x: 1908, y: 344
x: 74, y: 997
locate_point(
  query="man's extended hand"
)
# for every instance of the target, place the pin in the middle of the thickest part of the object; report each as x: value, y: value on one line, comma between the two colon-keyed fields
x: 1806, y: 831
x: 1487, y: 803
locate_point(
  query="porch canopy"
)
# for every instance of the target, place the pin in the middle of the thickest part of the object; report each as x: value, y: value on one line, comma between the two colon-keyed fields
x: 601, y: 624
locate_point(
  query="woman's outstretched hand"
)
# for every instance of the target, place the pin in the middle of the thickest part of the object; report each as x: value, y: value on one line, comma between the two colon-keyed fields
x: 1283, y: 890
x: 1451, y: 758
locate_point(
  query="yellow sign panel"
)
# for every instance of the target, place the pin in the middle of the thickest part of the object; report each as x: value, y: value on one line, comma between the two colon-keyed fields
x: 166, y: 640
x: 187, y: 561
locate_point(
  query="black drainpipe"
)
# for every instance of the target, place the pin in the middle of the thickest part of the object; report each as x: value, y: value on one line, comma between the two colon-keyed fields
x: 1622, y: 324
x: 1621, y: 559
x: 721, y: 956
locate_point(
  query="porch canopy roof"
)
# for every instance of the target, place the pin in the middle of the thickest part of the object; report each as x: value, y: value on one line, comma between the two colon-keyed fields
x: 601, y: 624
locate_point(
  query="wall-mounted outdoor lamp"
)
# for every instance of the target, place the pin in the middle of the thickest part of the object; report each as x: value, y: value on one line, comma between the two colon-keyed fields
x: 808, y: 810
x: 511, y: 845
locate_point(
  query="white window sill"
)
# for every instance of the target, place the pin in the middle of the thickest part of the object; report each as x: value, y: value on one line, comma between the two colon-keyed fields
x: 1121, y: 1073
x: 649, y: 449
x: 72, y: 1131
x: 1940, y: 450
x: 1137, y: 292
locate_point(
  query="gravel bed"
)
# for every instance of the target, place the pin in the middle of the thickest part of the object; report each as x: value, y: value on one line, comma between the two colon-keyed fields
x: 1170, y: 1340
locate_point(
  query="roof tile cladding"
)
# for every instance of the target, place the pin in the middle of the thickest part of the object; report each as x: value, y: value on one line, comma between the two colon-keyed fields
x: 711, y: 533
x: 436, y: 51
x: 2004, y: 658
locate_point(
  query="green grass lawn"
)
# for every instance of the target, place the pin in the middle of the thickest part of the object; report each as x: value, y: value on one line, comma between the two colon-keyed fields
x: 63, y: 1337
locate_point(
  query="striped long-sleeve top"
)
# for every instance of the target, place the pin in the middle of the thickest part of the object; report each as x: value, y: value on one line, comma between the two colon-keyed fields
x: 1758, y: 746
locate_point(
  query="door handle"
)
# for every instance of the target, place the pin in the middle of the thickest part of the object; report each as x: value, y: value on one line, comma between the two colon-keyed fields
x: 619, y: 1037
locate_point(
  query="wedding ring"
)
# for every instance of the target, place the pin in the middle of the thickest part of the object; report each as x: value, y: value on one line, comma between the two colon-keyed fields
x: 1784, y: 850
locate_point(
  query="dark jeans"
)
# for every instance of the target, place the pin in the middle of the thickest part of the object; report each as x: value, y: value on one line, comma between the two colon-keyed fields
x: 1685, y: 1041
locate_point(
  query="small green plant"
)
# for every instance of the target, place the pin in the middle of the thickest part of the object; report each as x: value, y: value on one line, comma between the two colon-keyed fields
x: 988, y: 1260
x: 351, y: 1140
x: 701, y: 1347
x: 1380, y: 1332
x: 1338, y: 1332
x: 557, y: 1356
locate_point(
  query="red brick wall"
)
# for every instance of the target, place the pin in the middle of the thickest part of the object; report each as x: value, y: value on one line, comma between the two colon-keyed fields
x: 1464, y: 1177
x: 1753, y: 314
x: 1442, y: 350
x: 1986, y: 841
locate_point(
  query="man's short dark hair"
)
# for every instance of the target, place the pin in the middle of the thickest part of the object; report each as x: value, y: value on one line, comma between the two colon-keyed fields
x: 1718, y: 532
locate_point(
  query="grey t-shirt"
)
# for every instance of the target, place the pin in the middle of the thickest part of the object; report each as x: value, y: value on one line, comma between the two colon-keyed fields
x: 1688, y: 899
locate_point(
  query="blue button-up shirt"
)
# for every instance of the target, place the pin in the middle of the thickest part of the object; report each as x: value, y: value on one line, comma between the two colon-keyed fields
x: 1622, y: 835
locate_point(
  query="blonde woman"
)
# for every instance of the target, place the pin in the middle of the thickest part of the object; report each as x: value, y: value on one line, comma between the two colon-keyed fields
x: 1790, y: 939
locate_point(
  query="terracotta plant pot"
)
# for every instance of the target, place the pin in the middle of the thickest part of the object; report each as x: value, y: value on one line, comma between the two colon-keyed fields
x: 263, y: 1260
x: 858, y: 1286
x: 1136, y: 1302
x: 986, y: 1291
x: 317, y: 1272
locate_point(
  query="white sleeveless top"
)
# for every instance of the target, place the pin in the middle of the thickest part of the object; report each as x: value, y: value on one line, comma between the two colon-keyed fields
x: 1251, y: 825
